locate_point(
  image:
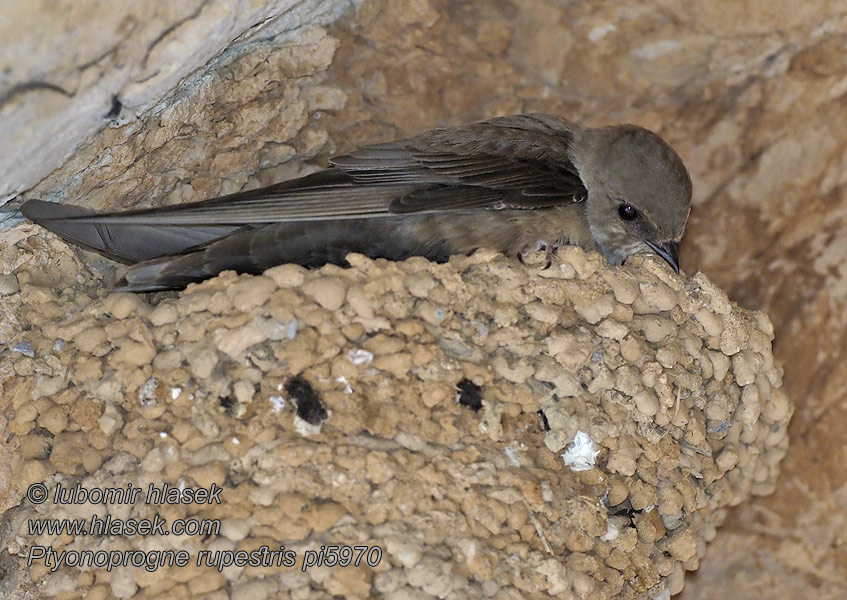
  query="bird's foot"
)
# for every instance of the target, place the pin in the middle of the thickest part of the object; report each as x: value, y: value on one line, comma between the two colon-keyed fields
x: 548, y: 255
x: 547, y: 247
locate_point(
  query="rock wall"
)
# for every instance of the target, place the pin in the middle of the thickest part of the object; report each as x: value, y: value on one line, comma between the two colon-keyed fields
x: 71, y: 68
x: 750, y: 93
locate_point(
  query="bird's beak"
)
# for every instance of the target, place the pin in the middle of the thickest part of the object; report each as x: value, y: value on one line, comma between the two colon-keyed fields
x: 668, y: 251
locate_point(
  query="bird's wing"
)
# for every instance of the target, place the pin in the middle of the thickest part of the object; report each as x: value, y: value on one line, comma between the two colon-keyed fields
x: 510, y: 162
x: 127, y: 243
x: 327, y: 194
x: 513, y: 162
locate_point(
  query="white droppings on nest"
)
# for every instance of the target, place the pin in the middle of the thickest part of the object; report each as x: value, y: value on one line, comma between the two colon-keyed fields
x: 278, y: 403
x: 147, y: 392
x: 24, y: 348
x: 305, y: 428
x: 357, y: 356
x: 512, y: 456
x: 291, y: 329
x: 581, y: 453
x: 343, y: 381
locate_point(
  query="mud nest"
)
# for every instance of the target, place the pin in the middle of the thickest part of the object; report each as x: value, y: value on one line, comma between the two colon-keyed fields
x: 417, y: 408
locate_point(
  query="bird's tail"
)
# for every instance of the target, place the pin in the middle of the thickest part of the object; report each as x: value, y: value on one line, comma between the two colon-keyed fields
x: 308, y: 243
x: 124, y: 242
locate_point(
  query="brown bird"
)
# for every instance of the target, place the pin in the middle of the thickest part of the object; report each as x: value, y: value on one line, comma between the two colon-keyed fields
x: 517, y: 184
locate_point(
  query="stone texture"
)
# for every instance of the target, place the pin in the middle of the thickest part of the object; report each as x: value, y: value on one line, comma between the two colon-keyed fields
x: 459, y: 501
x: 751, y: 93
x: 72, y: 68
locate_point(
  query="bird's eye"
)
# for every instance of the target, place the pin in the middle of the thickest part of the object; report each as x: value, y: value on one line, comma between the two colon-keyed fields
x: 627, y: 212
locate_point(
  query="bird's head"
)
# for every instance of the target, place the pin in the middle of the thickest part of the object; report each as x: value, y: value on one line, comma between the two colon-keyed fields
x: 639, y: 192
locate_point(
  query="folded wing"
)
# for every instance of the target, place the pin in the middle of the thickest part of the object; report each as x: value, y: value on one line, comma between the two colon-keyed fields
x: 518, y: 162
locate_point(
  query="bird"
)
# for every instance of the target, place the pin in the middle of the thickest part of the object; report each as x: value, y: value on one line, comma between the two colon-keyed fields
x: 518, y: 184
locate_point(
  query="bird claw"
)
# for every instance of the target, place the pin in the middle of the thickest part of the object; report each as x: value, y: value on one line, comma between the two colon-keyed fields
x: 548, y: 256
x: 548, y: 249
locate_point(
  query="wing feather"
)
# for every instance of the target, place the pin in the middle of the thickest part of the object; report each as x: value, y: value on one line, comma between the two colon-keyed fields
x: 506, y: 163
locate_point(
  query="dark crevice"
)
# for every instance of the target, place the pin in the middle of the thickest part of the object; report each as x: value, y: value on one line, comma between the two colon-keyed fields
x: 32, y: 86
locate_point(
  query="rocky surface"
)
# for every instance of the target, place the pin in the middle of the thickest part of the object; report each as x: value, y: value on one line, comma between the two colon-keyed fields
x: 69, y: 69
x: 430, y: 411
x: 750, y: 93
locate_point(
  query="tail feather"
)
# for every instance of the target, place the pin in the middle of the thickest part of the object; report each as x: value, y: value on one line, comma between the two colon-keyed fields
x: 166, y: 257
x: 308, y: 243
x: 123, y: 242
